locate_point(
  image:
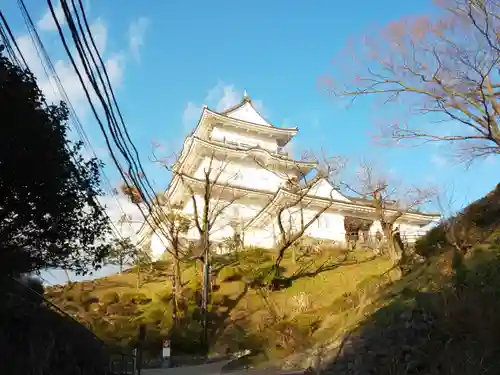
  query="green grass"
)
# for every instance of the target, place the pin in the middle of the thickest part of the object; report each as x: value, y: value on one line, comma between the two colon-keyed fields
x: 303, y: 307
x: 349, y: 296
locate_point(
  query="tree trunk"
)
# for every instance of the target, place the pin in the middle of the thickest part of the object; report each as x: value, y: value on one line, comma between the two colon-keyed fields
x: 138, y: 286
x: 176, y: 288
x: 393, y: 249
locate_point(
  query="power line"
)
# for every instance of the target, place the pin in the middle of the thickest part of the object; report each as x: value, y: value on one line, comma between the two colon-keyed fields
x: 5, y: 34
x: 8, y: 40
x: 47, y: 64
x: 86, y: 51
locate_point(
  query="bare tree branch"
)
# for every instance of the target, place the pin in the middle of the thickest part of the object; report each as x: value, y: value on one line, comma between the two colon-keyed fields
x: 443, y: 69
x: 290, y: 218
x: 390, y: 203
x: 214, y: 189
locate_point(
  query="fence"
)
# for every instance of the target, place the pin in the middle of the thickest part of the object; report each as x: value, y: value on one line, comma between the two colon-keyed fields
x: 122, y: 364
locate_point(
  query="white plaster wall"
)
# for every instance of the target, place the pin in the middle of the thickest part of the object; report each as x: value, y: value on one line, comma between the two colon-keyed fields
x: 260, y: 238
x: 329, y: 226
x: 242, y: 175
x: 237, y: 212
x: 410, y: 231
x: 158, y: 245
x: 374, y: 227
x: 221, y: 134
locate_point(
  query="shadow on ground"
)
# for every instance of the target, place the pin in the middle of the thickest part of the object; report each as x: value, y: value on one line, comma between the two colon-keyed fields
x: 452, y: 329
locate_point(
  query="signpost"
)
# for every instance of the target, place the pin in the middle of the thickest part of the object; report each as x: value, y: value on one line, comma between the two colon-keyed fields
x: 166, y: 353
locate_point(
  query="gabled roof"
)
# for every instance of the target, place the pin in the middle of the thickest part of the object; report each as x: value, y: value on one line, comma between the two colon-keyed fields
x: 246, y: 111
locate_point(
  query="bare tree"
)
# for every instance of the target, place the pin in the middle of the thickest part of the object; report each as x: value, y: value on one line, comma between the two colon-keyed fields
x: 390, y: 203
x: 211, y: 195
x: 300, y: 210
x: 445, y: 69
x: 175, y: 225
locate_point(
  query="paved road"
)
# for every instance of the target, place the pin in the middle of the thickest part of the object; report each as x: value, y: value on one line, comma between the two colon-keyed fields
x: 212, y: 369
x: 208, y: 369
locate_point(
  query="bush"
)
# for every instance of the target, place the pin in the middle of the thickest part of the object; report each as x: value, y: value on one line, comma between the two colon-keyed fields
x: 290, y: 336
x: 121, y: 310
x: 89, y: 300
x: 135, y: 298
x: 254, y: 256
x: 110, y: 298
x: 75, y: 295
x: 433, y: 243
x: 307, y: 323
x: 228, y: 274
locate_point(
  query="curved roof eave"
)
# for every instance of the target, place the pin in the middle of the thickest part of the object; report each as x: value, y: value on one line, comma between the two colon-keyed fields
x: 246, y: 100
x: 282, y: 193
x: 299, y: 163
x: 263, y: 127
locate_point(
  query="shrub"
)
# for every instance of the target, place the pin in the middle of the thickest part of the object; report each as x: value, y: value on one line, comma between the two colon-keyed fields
x: 307, y: 323
x: 75, y: 295
x: 135, y: 298
x: 290, y: 336
x: 254, y: 256
x: 110, y: 298
x: 89, y: 300
x: 121, y: 310
x: 432, y: 243
x: 228, y: 274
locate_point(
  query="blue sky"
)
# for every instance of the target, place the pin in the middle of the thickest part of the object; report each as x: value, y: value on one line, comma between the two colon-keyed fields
x: 168, y: 58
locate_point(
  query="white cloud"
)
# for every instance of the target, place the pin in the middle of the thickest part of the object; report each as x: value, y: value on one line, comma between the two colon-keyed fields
x: 191, y: 113
x: 99, y: 32
x: 115, y: 66
x: 136, y: 34
x: 116, y: 207
x: 223, y: 96
x: 220, y: 97
x: 46, y: 23
x: 438, y: 160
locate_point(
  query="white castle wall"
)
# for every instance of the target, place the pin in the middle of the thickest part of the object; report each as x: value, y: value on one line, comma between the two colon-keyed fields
x: 221, y: 135
x: 246, y: 174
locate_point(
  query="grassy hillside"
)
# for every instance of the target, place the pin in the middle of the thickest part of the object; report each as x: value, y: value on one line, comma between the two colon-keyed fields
x: 273, y: 323
x: 343, y: 311
x: 440, y: 318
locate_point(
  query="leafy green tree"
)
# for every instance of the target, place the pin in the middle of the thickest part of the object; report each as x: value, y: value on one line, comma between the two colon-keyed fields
x: 49, y: 216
